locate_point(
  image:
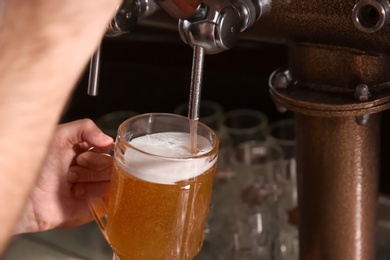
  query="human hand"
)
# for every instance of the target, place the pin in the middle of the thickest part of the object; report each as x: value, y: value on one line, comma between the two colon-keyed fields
x: 51, y: 38
x: 71, y: 174
x: 45, y: 46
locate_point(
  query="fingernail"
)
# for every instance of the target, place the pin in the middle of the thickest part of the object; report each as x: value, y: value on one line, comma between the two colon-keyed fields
x: 79, y: 191
x: 105, y: 138
x: 72, y: 176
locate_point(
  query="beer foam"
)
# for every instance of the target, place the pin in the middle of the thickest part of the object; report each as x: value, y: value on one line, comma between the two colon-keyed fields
x: 175, y: 163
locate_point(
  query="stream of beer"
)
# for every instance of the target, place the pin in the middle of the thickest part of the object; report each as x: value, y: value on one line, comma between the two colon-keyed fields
x: 194, y: 135
x: 195, y: 91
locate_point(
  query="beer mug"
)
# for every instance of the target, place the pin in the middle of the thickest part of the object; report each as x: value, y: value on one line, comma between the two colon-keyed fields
x: 160, y: 188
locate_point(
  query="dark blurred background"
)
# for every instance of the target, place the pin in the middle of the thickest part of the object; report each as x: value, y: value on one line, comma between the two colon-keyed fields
x: 149, y: 70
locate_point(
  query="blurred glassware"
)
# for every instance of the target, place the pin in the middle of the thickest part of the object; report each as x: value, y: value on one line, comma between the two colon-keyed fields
x: 254, y: 242
x: 210, y: 113
x: 287, y: 243
x: 110, y: 122
x: 254, y: 191
x: 251, y: 189
x: 244, y: 125
x: 282, y: 134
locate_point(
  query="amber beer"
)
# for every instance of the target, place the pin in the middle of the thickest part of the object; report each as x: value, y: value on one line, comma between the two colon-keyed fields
x: 160, y: 197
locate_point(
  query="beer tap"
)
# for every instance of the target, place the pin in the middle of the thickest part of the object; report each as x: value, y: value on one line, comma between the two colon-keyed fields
x: 126, y: 18
x: 210, y: 27
x: 213, y: 27
x: 216, y: 25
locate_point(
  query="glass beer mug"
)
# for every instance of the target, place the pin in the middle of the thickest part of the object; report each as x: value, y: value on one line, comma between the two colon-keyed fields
x: 160, y: 189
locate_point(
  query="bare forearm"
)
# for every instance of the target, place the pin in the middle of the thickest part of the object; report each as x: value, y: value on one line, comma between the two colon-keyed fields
x: 41, y: 60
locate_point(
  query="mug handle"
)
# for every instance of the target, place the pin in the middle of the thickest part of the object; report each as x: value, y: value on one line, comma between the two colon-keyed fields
x: 96, y: 205
x: 99, y: 212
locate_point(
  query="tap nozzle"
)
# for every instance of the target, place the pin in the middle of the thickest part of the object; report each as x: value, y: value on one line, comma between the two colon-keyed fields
x: 125, y: 19
x: 216, y: 26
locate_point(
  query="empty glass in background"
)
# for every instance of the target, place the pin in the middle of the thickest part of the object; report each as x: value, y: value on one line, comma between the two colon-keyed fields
x: 255, y: 199
x: 211, y: 114
x: 252, y: 189
x: 282, y: 133
x: 245, y: 125
x: 110, y: 122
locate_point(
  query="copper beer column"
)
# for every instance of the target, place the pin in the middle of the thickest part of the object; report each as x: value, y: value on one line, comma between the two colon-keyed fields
x: 338, y: 170
x: 338, y: 143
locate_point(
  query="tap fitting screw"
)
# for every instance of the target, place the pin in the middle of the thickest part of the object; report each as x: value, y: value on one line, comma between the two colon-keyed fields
x: 362, y: 93
x: 280, y: 79
x: 362, y: 120
x: 280, y: 108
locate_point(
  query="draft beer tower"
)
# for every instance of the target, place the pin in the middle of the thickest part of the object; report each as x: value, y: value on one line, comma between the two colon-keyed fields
x: 337, y: 83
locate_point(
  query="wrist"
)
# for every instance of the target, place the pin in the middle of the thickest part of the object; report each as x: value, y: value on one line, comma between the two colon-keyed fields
x: 27, y: 222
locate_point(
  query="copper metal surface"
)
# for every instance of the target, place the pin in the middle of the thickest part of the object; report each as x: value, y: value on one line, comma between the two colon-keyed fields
x: 337, y: 178
x: 324, y: 80
x: 337, y: 158
x: 180, y: 9
x: 317, y: 22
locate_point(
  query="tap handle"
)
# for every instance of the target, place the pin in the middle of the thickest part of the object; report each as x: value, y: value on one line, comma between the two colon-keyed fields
x: 94, y: 71
x: 123, y: 22
x: 128, y: 14
x: 125, y: 19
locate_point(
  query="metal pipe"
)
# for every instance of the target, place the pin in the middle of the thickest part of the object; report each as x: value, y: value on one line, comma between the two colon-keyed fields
x: 94, y: 73
x: 338, y: 168
x: 196, y: 82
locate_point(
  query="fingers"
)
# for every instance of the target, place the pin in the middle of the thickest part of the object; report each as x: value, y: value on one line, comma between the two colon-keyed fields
x: 79, y: 174
x: 91, y: 167
x: 94, y: 161
x: 84, y: 130
x: 91, y: 190
x: 91, y: 175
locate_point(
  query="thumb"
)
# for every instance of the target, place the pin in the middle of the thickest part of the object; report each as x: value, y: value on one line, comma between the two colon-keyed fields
x: 85, y: 130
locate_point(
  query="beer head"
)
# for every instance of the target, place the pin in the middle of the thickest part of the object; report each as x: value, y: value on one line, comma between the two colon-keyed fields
x: 166, y: 157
